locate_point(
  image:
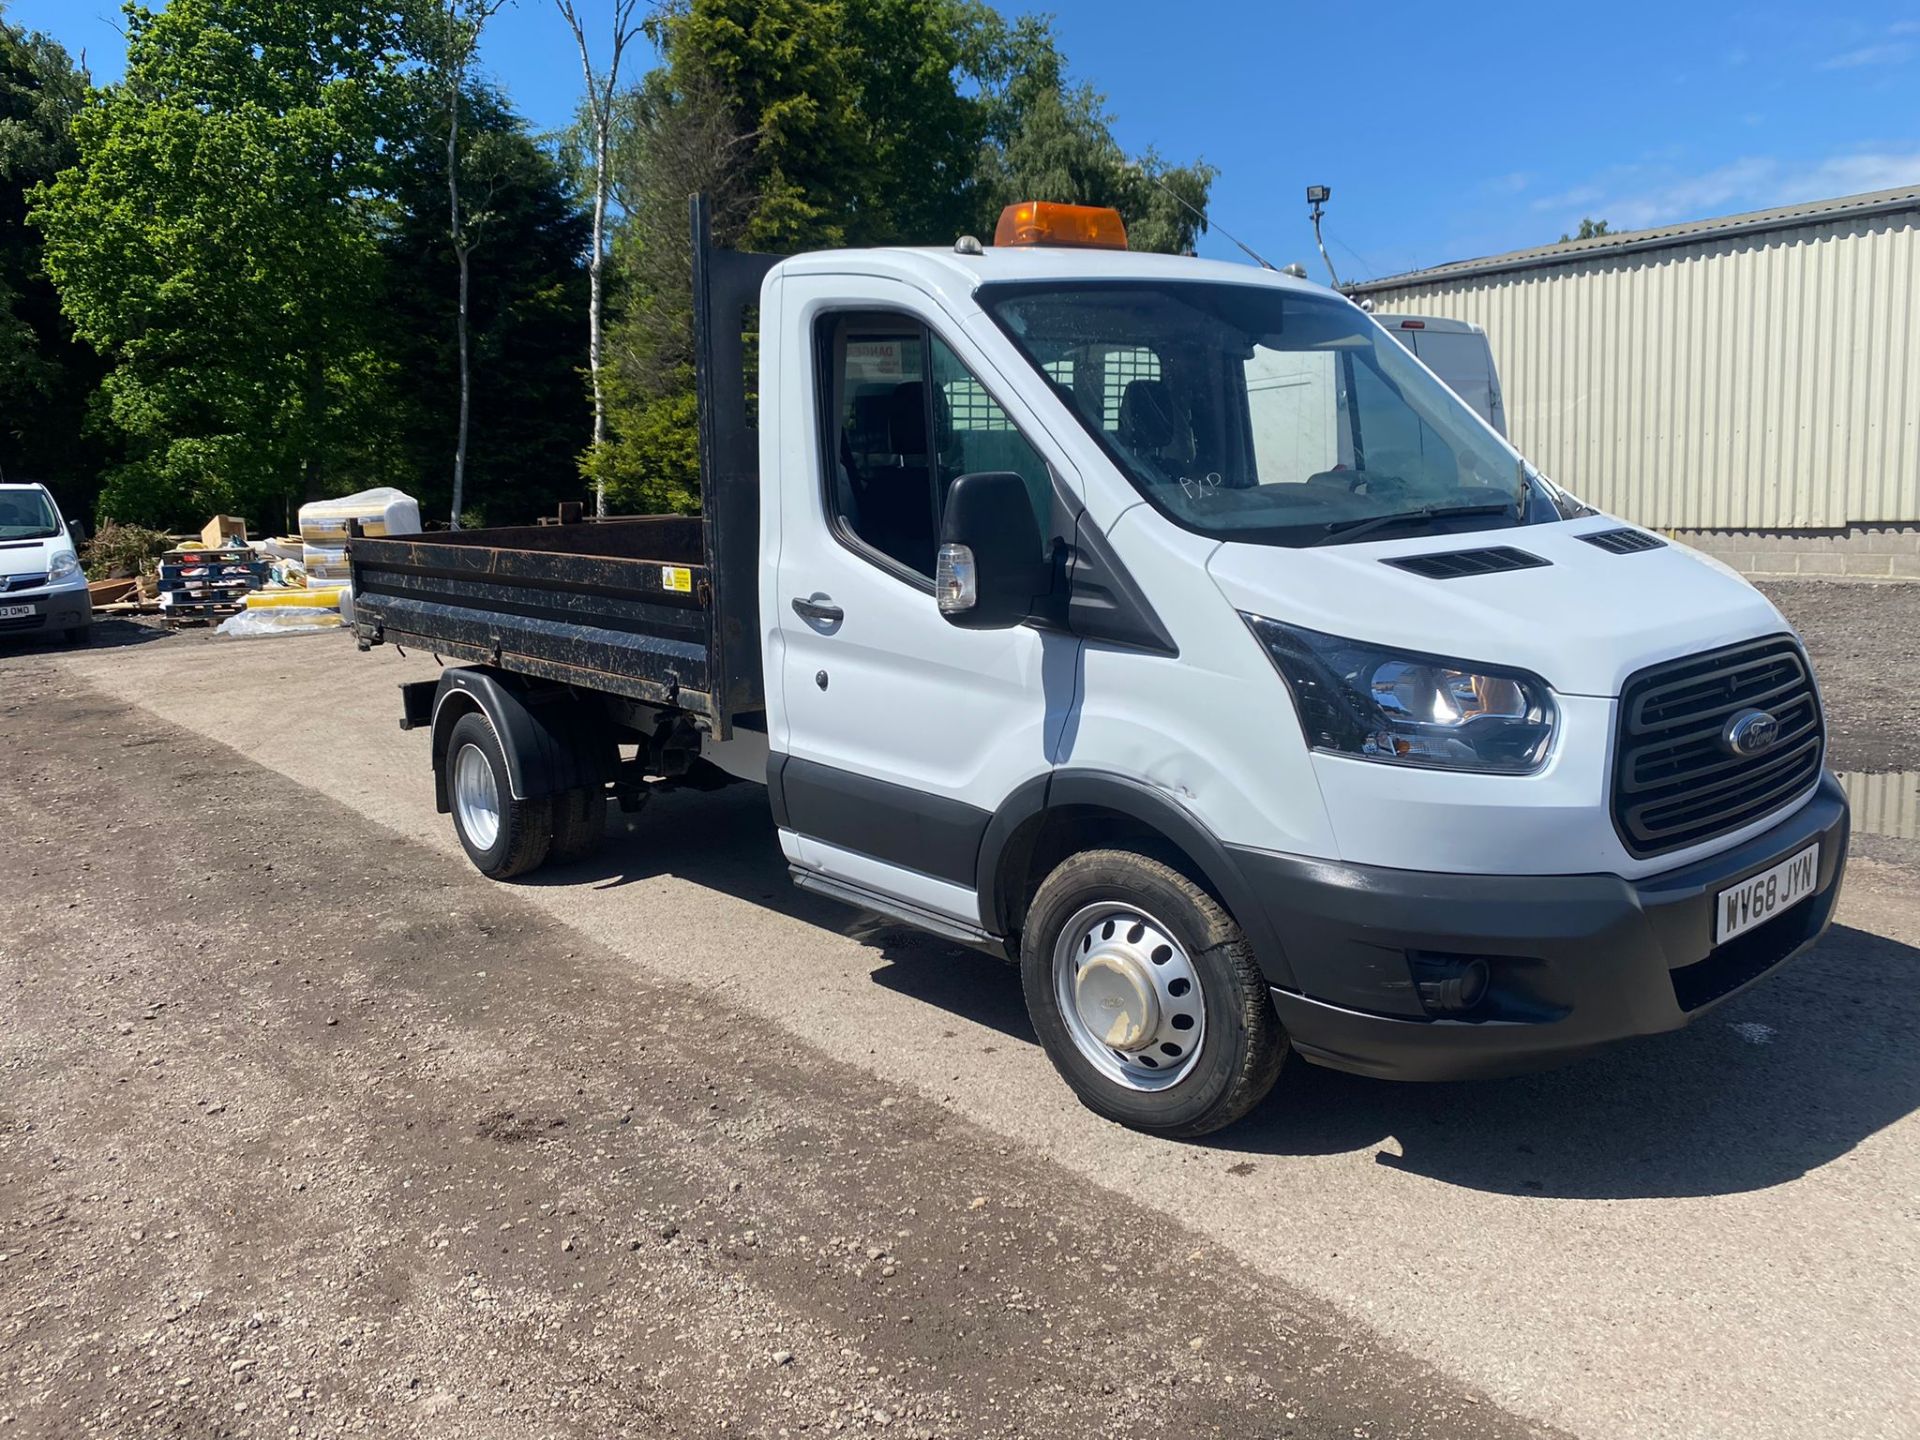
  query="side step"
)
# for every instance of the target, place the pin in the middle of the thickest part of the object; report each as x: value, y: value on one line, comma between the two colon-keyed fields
x: 945, y: 926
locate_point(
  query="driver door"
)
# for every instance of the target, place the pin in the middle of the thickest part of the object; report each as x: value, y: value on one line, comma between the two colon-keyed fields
x: 896, y: 735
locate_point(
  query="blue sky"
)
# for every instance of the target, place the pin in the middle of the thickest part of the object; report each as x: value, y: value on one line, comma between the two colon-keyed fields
x: 1445, y: 131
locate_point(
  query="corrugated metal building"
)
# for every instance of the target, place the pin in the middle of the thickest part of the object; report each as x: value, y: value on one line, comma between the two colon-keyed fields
x: 1756, y: 377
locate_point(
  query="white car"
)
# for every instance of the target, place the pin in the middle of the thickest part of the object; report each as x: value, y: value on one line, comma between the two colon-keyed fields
x: 43, y: 591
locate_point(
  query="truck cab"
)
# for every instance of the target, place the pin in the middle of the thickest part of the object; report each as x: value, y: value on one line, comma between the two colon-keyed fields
x: 1164, y: 626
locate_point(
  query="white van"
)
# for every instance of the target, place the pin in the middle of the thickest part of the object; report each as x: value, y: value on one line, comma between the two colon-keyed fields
x: 43, y: 591
x: 1459, y: 354
x: 1164, y: 627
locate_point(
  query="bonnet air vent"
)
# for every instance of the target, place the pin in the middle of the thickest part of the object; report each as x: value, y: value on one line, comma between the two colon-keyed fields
x: 1453, y: 564
x: 1624, y: 542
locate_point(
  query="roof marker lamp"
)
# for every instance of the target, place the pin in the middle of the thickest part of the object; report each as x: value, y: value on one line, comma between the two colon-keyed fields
x: 1399, y: 707
x: 1043, y: 223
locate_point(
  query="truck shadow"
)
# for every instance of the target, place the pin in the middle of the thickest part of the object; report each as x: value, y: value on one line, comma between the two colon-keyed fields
x: 1799, y: 1071
x: 1788, y: 1077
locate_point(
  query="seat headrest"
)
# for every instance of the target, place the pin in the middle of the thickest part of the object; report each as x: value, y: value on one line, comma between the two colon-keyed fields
x: 1149, y: 418
x: 907, y: 419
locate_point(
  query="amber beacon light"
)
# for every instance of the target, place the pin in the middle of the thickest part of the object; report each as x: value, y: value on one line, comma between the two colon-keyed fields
x: 1041, y: 222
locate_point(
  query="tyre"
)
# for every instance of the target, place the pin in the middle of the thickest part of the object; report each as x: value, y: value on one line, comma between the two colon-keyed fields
x: 579, y: 822
x: 1146, y: 995
x: 79, y: 635
x: 504, y: 837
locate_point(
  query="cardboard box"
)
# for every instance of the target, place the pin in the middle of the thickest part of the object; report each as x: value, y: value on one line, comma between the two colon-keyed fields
x: 224, y: 530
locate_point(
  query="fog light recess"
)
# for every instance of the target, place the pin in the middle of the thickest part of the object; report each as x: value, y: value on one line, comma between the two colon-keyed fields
x: 1450, y: 985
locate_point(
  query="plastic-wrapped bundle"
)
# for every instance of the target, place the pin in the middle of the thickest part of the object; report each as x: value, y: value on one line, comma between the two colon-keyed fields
x: 385, y: 511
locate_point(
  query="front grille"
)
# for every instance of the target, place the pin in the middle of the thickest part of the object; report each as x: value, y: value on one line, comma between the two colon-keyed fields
x: 22, y: 622
x: 10, y: 583
x: 1674, y: 783
x: 1453, y: 564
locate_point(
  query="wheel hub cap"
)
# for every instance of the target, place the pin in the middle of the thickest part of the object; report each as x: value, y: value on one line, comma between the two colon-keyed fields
x: 476, y: 797
x: 1116, y: 1001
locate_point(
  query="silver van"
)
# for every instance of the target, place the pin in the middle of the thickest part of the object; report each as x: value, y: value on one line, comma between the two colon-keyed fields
x: 1459, y: 354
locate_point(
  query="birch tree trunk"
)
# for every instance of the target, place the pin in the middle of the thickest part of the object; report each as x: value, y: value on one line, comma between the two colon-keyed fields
x: 456, y: 225
x: 600, y: 93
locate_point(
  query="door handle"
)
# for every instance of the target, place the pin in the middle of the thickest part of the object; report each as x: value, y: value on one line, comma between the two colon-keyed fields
x: 818, y: 608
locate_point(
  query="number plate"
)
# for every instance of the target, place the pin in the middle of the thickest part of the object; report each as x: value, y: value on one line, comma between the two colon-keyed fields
x: 15, y: 612
x: 1759, y: 898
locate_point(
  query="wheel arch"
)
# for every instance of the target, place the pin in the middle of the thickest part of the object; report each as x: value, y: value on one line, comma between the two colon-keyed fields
x: 551, y: 740
x: 1064, y: 811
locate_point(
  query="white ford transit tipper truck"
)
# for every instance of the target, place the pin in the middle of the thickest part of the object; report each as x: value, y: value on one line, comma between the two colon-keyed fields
x: 1163, y: 626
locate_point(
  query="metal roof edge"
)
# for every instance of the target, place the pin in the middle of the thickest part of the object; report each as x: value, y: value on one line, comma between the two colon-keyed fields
x: 1632, y: 242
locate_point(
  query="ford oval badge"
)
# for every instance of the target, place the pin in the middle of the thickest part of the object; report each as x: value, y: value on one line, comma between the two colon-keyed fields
x: 1750, y: 733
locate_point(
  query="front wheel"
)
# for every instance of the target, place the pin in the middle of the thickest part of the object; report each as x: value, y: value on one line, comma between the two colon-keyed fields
x: 504, y: 837
x: 1146, y: 995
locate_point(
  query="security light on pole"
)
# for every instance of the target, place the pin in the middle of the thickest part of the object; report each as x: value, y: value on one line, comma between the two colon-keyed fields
x: 1317, y: 196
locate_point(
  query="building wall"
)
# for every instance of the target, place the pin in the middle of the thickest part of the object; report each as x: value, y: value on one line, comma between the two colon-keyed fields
x: 1759, y: 382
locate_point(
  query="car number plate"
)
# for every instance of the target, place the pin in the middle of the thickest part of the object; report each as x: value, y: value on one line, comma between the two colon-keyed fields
x: 1759, y: 898
x: 15, y: 612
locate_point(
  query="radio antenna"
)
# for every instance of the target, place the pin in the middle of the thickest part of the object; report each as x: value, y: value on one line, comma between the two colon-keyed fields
x: 1197, y: 214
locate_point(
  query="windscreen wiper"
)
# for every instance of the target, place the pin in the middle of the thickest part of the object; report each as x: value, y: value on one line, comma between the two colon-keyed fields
x: 1354, y: 529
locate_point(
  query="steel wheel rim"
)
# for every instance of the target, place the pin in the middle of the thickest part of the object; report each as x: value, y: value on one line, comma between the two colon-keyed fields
x: 476, y: 798
x: 1120, y: 976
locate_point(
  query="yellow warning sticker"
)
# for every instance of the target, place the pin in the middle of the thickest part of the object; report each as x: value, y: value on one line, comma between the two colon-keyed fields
x: 676, y: 577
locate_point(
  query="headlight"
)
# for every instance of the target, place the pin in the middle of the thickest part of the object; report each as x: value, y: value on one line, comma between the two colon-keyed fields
x: 1410, y: 709
x: 65, y: 565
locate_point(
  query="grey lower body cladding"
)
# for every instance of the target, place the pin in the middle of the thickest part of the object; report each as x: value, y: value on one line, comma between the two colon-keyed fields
x: 1571, y: 963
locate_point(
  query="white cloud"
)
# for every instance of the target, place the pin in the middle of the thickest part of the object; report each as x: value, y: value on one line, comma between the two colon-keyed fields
x: 1512, y: 183
x: 1896, y: 52
x: 1634, y: 197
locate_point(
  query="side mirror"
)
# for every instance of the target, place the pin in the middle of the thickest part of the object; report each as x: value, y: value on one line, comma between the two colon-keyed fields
x: 992, y: 563
x: 77, y: 531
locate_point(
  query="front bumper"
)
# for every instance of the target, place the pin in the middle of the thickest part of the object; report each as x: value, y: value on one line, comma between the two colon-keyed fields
x: 53, y: 611
x: 1577, y: 961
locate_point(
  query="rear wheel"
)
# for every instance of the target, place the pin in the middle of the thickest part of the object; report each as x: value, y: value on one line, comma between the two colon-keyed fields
x: 504, y: 837
x: 1146, y: 995
x: 579, y: 822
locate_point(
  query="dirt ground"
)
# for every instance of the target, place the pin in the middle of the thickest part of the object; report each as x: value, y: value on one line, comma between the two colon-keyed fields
x: 306, y: 1133
x: 1864, y: 637
x: 307, y: 1130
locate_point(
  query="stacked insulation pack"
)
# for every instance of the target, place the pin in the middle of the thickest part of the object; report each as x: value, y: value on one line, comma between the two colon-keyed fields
x: 323, y: 530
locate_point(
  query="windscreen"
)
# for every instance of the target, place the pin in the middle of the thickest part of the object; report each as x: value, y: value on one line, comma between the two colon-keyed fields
x: 1255, y: 413
x: 27, y: 515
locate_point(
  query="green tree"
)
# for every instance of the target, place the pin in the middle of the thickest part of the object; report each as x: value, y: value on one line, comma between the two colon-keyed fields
x: 216, y: 240
x: 444, y: 37
x: 1590, y: 229
x: 1050, y: 138
x: 826, y: 122
x: 528, y: 290
x: 46, y: 379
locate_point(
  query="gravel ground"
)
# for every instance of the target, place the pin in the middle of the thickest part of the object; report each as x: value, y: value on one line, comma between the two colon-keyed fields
x: 1864, y: 637
x: 306, y: 1132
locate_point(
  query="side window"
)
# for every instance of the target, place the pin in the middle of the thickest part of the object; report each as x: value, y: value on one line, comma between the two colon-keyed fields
x: 974, y: 434
x: 877, y: 440
x: 901, y: 420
